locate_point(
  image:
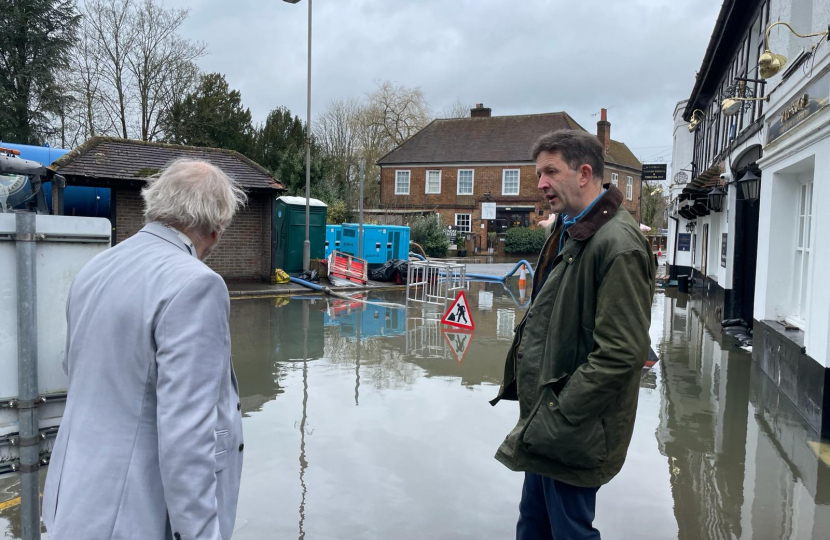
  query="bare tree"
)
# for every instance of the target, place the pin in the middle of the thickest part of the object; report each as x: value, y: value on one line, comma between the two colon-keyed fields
x: 458, y: 109
x: 131, y: 64
x: 159, y: 61
x: 399, y: 111
x: 336, y: 130
x: 112, y: 27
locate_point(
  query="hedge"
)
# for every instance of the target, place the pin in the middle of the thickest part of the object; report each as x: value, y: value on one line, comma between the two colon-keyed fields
x: 524, y: 240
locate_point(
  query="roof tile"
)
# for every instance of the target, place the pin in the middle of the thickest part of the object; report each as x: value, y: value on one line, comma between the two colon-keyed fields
x: 124, y: 159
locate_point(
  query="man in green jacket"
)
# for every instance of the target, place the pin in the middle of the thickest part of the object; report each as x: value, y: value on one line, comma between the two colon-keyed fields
x: 574, y: 366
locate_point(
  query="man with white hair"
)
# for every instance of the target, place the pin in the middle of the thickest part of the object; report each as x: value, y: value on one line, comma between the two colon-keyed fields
x: 150, y: 445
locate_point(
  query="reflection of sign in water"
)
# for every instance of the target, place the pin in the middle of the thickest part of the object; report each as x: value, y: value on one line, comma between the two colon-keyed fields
x: 485, y: 300
x: 684, y: 242
x: 459, y: 313
x: 458, y: 343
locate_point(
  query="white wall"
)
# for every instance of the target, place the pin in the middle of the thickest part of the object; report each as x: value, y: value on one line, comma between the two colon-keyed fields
x: 805, y: 150
x: 806, y: 153
x: 682, y: 152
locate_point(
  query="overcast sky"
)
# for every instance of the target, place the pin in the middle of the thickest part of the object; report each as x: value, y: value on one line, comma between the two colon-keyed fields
x: 635, y: 57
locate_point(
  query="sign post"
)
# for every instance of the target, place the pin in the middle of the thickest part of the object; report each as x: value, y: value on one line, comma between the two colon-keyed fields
x: 458, y: 314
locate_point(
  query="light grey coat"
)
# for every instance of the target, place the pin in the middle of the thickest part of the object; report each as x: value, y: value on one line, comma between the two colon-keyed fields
x: 150, y: 445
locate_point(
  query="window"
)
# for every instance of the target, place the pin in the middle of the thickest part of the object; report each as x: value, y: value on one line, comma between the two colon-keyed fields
x: 629, y: 188
x: 510, y: 182
x: 462, y: 222
x: 401, y: 182
x: 615, y: 179
x: 433, y: 182
x: 465, y: 182
x: 801, y: 285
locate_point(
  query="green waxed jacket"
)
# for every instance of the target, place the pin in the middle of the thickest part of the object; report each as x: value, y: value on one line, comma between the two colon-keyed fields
x: 576, y: 358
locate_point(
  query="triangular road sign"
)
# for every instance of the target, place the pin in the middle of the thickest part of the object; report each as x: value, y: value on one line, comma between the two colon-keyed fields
x: 459, y: 314
x: 458, y: 343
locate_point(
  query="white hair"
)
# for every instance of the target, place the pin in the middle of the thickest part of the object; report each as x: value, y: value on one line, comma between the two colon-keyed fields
x: 194, y: 196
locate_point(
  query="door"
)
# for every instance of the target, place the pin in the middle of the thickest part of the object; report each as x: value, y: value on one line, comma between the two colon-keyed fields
x: 704, y: 257
x: 278, y: 233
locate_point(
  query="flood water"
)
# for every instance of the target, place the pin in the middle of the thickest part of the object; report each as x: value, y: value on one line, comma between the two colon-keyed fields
x: 364, y: 422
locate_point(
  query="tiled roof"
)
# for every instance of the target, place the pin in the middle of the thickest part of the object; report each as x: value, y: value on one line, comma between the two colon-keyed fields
x: 124, y: 159
x: 495, y: 139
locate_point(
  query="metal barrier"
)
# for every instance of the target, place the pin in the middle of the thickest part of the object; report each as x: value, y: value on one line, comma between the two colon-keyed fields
x: 434, y: 282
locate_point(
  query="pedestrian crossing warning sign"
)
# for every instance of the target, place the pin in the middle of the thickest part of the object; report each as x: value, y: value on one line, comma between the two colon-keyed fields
x: 459, y: 314
x: 458, y: 343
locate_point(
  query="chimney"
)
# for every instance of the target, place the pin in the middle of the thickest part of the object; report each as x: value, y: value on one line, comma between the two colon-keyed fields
x: 480, y: 111
x: 604, y: 131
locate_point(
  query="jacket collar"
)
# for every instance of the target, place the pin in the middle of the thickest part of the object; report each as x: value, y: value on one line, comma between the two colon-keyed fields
x: 168, y: 235
x: 600, y: 214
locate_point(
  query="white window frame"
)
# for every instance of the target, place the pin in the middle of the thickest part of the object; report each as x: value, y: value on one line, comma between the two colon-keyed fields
x: 426, y: 182
x: 518, y: 181
x: 408, y: 182
x: 615, y: 179
x: 469, y: 223
x: 472, y: 182
x: 801, y: 282
x: 629, y: 188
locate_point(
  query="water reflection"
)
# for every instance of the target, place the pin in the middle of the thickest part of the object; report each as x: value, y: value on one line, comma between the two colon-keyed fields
x: 740, y: 460
x: 373, y: 423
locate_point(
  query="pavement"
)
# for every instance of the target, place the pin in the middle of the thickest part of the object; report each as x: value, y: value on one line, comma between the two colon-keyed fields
x: 264, y: 290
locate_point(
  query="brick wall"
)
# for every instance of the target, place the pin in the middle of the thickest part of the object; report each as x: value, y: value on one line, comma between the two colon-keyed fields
x: 488, y: 178
x: 447, y: 203
x: 244, y: 252
x: 633, y: 205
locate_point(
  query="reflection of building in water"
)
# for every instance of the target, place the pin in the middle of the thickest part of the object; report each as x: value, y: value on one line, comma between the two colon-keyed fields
x: 741, y: 467
x: 505, y: 323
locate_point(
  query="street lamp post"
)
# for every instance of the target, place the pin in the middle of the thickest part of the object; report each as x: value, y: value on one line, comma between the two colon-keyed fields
x: 307, y: 243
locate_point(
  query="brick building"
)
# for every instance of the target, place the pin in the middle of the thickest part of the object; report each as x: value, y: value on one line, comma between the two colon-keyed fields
x: 452, y: 166
x: 244, y: 252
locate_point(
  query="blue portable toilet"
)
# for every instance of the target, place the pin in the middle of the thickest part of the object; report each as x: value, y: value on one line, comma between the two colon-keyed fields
x: 381, y: 243
x: 334, y: 234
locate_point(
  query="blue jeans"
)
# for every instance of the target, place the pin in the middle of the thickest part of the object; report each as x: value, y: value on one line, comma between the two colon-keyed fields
x: 554, y: 510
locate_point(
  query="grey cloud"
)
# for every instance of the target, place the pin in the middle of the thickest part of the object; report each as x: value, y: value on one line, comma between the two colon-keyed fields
x: 516, y: 56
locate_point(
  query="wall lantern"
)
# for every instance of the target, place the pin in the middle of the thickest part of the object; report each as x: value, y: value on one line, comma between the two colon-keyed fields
x: 732, y: 105
x: 697, y: 118
x: 770, y: 63
x: 690, y: 226
x: 750, y: 185
x: 715, y: 201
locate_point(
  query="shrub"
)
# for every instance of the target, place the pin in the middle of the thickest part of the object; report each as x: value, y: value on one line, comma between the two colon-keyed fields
x: 428, y: 231
x: 337, y: 213
x: 524, y: 240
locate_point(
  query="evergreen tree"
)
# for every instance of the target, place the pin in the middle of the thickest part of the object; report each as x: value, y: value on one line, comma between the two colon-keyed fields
x: 279, y: 145
x: 35, y: 40
x: 212, y: 116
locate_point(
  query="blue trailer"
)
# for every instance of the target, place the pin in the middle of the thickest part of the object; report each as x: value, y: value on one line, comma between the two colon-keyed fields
x: 77, y: 201
x: 381, y: 243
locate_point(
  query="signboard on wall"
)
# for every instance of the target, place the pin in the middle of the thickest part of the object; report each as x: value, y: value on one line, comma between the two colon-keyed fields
x: 723, y: 251
x: 654, y: 171
x: 488, y: 210
x: 684, y: 242
x: 815, y: 96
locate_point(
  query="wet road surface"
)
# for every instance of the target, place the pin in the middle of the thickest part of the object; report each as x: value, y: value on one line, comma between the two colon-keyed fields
x: 372, y: 423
